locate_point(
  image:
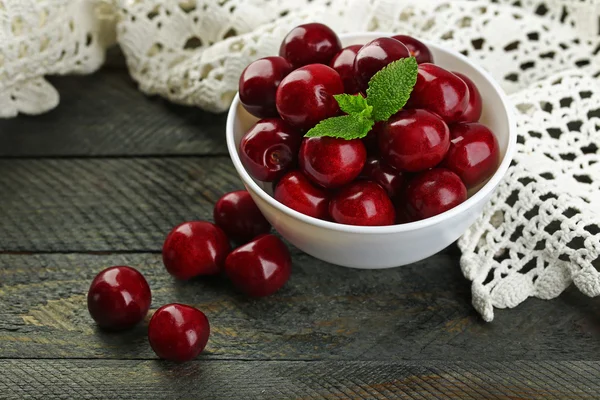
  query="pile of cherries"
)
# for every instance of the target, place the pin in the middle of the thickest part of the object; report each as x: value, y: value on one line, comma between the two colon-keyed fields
x: 120, y: 297
x: 418, y: 164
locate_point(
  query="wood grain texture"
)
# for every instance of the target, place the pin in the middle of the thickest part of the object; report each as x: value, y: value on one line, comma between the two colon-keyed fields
x: 102, y: 379
x: 418, y: 312
x: 105, y: 115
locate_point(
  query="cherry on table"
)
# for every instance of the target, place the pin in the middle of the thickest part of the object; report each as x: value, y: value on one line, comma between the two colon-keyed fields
x: 387, y: 177
x: 414, y: 140
x: 362, y: 203
x: 305, y: 96
x: 298, y: 193
x: 375, y: 55
x: 261, y: 267
x: 312, y: 43
x: 178, y: 332
x: 473, y: 111
x: 239, y: 217
x: 441, y: 92
x: 332, y: 162
x: 432, y: 192
x: 270, y: 148
x: 343, y: 63
x: 416, y: 48
x: 258, y: 85
x: 473, y: 154
x: 119, y: 298
x: 195, y: 248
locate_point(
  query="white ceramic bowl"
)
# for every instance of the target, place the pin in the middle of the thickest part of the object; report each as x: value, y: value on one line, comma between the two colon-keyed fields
x: 371, y: 247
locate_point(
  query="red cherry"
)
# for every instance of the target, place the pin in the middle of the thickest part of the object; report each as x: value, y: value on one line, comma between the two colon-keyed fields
x: 332, y: 162
x: 269, y: 149
x: 474, y: 153
x: 371, y: 140
x: 343, y: 63
x: 178, y: 332
x: 261, y: 267
x: 362, y: 203
x: 195, y: 248
x: 258, y: 85
x: 414, y: 140
x: 305, y: 96
x: 474, y: 108
x: 433, y: 192
x: 119, y: 298
x: 310, y: 44
x: 375, y: 55
x: 298, y: 193
x: 387, y: 177
x: 416, y: 48
x: 441, y: 92
x: 239, y: 217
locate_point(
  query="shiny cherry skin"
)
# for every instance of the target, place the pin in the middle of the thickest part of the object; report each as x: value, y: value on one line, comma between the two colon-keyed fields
x: 343, y: 63
x: 416, y: 48
x: 298, y: 193
x: 414, y: 140
x: 270, y: 148
x: 261, y: 267
x: 433, y: 192
x: 332, y: 162
x: 363, y: 203
x: 387, y: 177
x: 178, y: 332
x: 305, y: 96
x: 375, y: 55
x: 310, y: 44
x: 474, y: 153
x: 258, y: 85
x: 119, y: 298
x: 441, y: 92
x: 239, y: 217
x: 195, y: 248
x: 473, y: 111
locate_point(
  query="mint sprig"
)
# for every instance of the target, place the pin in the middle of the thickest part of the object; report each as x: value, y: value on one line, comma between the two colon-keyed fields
x: 388, y: 91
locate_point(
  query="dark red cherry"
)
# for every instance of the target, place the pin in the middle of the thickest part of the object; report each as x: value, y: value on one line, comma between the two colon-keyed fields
x: 261, y: 267
x: 269, y: 149
x: 178, y: 332
x: 375, y: 55
x: 310, y: 44
x: 474, y: 153
x: 473, y: 111
x: 371, y: 141
x: 332, y: 162
x: 195, y: 248
x: 387, y: 177
x: 414, y: 140
x: 119, y: 298
x: 305, y: 96
x: 416, y: 48
x: 298, y: 193
x: 239, y: 217
x: 362, y: 203
x: 433, y: 192
x: 343, y: 63
x: 258, y: 85
x: 441, y: 92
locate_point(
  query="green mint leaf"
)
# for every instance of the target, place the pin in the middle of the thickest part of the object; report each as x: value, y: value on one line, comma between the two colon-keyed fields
x: 390, y: 88
x: 353, y: 126
x: 351, y: 104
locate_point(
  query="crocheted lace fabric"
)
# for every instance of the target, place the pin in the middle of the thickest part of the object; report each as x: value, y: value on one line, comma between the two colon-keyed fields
x: 541, y: 231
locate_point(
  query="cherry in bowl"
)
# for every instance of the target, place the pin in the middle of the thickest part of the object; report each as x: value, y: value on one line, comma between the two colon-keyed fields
x: 375, y: 55
x: 417, y: 49
x: 312, y: 43
x: 362, y: 203
x: 298, y: 193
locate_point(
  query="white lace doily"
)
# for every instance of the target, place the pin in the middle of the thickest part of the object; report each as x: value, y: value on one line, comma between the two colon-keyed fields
x: 540, y: 232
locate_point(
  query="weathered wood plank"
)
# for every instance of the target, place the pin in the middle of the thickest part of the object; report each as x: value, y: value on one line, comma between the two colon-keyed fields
x: 106, y: 204
x: 104, y: 114
x: 102, y: 379
x: 325, y: 312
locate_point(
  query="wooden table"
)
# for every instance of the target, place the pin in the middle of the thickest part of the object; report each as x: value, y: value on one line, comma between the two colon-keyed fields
x: 100, y: 180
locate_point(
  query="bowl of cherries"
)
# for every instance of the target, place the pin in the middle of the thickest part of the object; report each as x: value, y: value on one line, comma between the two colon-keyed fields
x: 369, y: 150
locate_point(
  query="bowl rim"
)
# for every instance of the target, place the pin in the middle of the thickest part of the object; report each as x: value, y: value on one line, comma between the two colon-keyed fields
x: 486, y: 189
